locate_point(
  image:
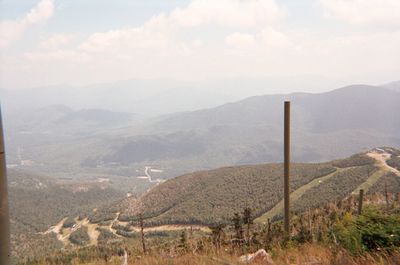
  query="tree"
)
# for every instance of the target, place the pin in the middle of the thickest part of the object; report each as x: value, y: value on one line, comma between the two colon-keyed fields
x: 183, y: 240
x: 142, y: 233
x: 217, y: 232
x: 248, y: 221
x: 237, y: 225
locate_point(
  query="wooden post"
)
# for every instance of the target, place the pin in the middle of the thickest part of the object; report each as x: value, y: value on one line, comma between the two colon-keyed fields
x: 310, y: 224
x: 360, y: 201
x: 142, y: 234
x: 386, y: 197
x: 4, y: 214
x: 287, y: 167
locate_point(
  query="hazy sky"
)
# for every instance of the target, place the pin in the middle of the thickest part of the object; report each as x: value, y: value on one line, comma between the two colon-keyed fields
x: 46, y: 42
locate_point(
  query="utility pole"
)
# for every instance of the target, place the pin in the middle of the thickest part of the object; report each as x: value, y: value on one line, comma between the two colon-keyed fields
x: 142, y: 233
x: 4, y: 214
x: 386, y: 197
x: 287, y: 167
x: 360, y: 201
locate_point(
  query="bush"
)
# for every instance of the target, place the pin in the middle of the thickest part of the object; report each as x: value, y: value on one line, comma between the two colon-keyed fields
x: 101, y: 216
x: 126, y: 228
x: 394, y: 162
x: 80, y: 236
x: 105, y: 235
x: 70, y: 222
x: 127, y: 234
x: 379, y: 231
x: 346, y: 234
x: 371, y: 231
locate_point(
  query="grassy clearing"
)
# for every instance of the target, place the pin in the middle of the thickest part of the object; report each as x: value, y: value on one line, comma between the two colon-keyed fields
x: 374, y: 178
x: 278, y: 209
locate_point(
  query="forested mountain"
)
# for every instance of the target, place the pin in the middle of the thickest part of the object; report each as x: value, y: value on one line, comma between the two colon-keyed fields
x: 325, y: 126
x: 213, y: 196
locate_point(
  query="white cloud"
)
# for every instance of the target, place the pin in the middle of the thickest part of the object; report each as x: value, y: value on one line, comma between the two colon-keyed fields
x: 154, y: 34
x: 56, y: 41
x: 211, y: 39
x: 385, y: 12
x: 57, y: 55
x: 274, y: 38
x: 265, y: 40
x: 12, y: 30
x: 240, y: 40
x: 230, y: 13
x: 160, y: 32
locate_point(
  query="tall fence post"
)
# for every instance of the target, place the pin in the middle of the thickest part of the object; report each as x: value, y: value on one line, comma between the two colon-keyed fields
x: 287, y: 167
x: 360, y: 201
x: 386, y: 197
x: 4, y: 214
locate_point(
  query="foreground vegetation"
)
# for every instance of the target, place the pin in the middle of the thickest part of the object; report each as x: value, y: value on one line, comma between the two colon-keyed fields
x: 333, y: 234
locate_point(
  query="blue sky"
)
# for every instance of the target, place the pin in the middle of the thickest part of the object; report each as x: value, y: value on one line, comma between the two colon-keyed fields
x: 90, y: 41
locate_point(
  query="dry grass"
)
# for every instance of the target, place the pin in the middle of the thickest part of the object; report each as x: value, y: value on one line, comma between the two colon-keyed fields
x: 320, y: 255
x: 308, y: 254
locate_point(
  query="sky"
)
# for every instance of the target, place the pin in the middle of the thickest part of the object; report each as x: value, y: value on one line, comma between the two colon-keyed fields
x: 77, y: 42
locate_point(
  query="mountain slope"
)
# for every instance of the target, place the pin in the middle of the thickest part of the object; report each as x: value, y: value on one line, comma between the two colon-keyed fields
x: 352, y: 107
x: 38, y: 202
x: 214, y: 196
x: 325, y: 126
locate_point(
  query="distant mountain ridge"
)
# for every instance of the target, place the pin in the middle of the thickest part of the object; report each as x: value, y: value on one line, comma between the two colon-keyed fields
x: 325, y: 126
x: 350, y: 107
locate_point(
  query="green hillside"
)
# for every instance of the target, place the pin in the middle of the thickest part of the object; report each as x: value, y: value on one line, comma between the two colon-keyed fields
x: 208, y: 197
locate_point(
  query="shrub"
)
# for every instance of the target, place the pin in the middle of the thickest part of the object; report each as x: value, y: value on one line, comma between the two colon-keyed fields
x: 127, y: 234
x: 105, y: 235
x: 370, y: 231
x: 347, y: 235
x: 379, y: 231
x: 394, y: 161
x: 70, y: 222
x: 80, y: 236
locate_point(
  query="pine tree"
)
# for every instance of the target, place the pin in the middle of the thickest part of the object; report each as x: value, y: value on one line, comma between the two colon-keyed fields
x: 237, y: 225
x: 248, y: 221
x: 183, y: 240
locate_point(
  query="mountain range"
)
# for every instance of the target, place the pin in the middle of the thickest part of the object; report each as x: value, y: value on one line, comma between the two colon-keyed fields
x: 325, y: 126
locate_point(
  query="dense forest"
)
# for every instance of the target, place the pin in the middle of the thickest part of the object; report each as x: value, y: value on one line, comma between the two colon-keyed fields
x: 208, y: 197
